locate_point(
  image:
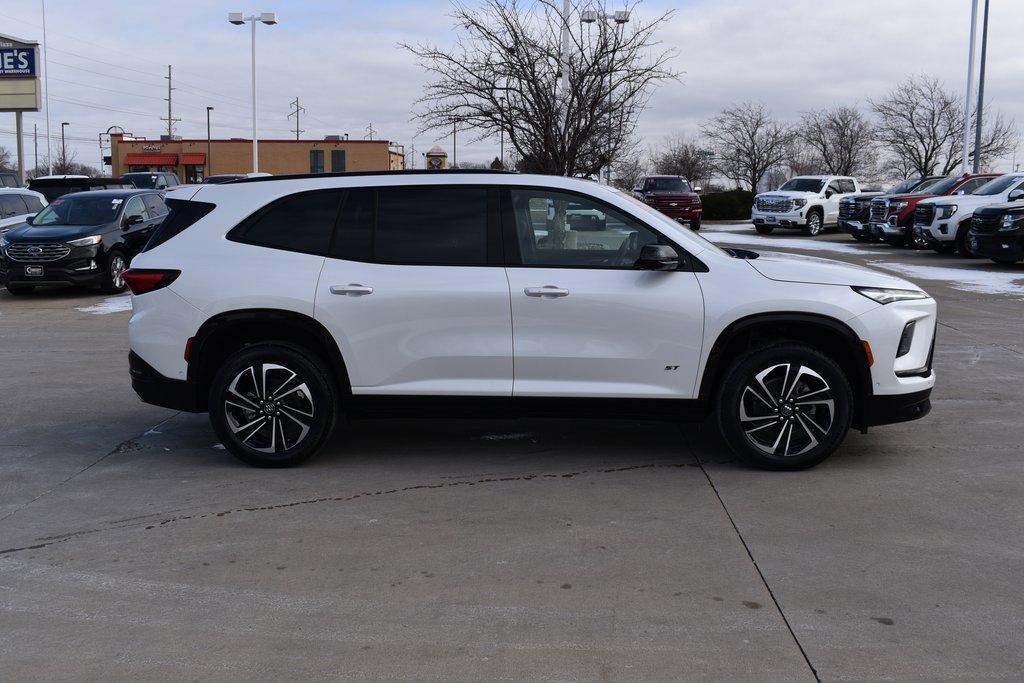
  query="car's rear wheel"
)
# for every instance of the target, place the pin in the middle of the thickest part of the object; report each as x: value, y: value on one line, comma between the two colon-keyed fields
x: 943, y: 247
x: 963, y: 249
x: 814, y: 224
x: 273, y: 405
x: 695, y: 224
x: 113, y: 277
x: 785, y: 407
x: 18, y: 290
x: 764, y: 229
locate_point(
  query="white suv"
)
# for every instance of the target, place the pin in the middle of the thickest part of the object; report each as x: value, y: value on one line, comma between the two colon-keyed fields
x: 808, y: 202
x: 277, y: 304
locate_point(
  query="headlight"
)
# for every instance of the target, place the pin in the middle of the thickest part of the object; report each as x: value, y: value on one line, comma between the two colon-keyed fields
x: 888, y: 296
x: 946, y: 211
x: 1008, y: 223
x: 897, y: 206
x: 3, y: 243
x: 797, y: 203
x: 86, y: 241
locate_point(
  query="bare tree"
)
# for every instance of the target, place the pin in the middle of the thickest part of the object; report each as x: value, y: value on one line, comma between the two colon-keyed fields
x: 842, y: 138
x: 747, y: 142
x: 801, y: 158
x: 503, y: 73
x: 922, y: 124
x: 5, y: 158
x: 627, y: 171
x: 679, y: 156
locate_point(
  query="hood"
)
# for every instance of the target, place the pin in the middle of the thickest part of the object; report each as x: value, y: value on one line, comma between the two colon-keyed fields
x: 962, y: 200
x: 910, y: 197
x: 788, y: 194
x: 666, y: 194
x: 819, y: 271
x: 58, y: 233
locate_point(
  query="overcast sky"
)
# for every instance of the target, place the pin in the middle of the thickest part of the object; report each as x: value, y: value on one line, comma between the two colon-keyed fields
x: 341, y: 60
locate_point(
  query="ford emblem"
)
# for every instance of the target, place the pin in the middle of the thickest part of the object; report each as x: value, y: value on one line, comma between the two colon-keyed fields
x: 35, y: 250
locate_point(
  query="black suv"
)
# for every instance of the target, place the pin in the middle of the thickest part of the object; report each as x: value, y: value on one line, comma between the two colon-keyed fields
x: 151, y: 180
x: 86, y: 238
x: 997, y: 232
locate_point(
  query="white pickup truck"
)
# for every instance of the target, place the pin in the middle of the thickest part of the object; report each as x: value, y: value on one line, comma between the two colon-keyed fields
x: 808, y: 202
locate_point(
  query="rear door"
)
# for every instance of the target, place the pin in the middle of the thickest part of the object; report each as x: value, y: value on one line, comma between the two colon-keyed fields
x: 415, y: 294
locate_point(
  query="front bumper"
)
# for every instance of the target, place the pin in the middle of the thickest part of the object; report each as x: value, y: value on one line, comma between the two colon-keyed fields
x: 940, y: 231
x: 680, y: 214
x: 855, y: 227
x: 1009, y: 245
x: 891, y: 409
x: 155, y: 389
x: 791, y: 219
x: 82, y: 266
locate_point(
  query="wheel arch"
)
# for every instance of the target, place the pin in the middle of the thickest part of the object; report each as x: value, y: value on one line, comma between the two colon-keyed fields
x: 226, y: 333
x: 829, y: 335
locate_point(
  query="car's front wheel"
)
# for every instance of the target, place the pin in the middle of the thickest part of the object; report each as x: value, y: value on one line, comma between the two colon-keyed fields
x: 763, y: 229
x: 695, y: 224
x: 273, y: 405
x: 814, y: 224
x: 785, y: 407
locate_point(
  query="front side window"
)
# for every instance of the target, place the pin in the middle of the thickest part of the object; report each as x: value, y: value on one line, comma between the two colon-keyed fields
x: 11, y: 205
x: 431, y: 225
x: 135, y: 207
x: 302, y: 222
x: 846, y: 186
x: 155, y: 205
x: 79, y: 210
x: 556, y: 229
x: 33, y: 203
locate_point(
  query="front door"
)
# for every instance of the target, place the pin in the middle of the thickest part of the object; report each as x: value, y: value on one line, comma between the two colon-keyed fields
x: 585, y: 322
x: 415, y: 294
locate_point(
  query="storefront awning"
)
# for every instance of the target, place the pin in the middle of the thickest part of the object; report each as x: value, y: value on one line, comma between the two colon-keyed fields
x: 193, y: 158
x: 135, y: 159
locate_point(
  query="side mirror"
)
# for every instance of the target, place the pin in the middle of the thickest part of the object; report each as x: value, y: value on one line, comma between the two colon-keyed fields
x: 29, y: 219
x: 134, y: 219
x: 828, y: 194
x: 657, y: 257
x: 1015, y: 195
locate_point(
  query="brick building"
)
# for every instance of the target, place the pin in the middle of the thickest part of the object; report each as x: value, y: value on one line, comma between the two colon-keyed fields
x: 194, y: 159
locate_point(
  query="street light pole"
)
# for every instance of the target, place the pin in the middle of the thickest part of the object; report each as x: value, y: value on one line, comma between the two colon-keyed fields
x: 209, y: 144
x: 268, y: 18
x: 63, y: 147
x: 620, y: 18
x: 970, y: 87
x: 981, y: 91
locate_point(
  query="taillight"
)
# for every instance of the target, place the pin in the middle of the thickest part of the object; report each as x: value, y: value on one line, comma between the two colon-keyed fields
x: 142, y: 280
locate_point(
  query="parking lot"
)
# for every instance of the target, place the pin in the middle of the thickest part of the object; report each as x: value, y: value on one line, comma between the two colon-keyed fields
x: 133, y: 546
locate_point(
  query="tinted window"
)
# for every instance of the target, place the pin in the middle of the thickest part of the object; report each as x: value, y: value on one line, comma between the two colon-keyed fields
x: 11, y: 205
x: 555, y: 229
x: 135, y: 207
x: 441, y: 226
x: 182, y: 214
x: 803, y: 185
x: 79, y: 209
x: 834, y: 186
x: 33, y: 203
x: 666, y: 185
x: 354, y: 237
x: 999, y: 185
x: 155, y: 205
x: 846, y: 185
x: 302, y: 222
x: 971, y: 185
x: 8, y: 180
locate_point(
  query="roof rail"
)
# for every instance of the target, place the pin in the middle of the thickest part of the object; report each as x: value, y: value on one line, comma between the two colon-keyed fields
x: 357, y: 174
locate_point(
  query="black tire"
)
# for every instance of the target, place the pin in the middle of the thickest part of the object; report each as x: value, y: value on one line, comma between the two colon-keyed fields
x: 896, y: 241
x: 815, y: 224
x: 1004, y: 260
x: 764, y: 229
x: 915, y: 240
x: 943, y: 247
x: 695, y: 224
x: 739, y: 408
x: 250, y: 418
x: 18, y: 290
x: 113, y: 274
x: 963, y: 250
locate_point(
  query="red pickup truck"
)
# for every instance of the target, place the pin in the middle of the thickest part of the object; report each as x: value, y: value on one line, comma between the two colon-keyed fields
x: 892, y: 216
x: 671, y: 195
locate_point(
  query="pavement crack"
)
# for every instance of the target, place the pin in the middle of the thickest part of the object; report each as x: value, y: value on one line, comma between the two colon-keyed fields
x: 757, y: 568
x: 123, y: 447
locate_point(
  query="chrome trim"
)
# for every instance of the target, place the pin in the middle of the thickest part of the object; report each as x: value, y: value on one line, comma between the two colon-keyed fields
x: 36, y: 252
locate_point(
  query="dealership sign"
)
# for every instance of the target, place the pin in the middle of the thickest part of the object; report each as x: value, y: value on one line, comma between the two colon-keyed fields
x: 17, y: 62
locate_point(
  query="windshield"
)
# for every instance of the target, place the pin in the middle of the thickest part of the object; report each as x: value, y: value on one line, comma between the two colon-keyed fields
x: 999, y: 185
x: 79, y: 209
x: 666, y: 185
x: 666, y: 224
x: 937, y: 186
x: 144, y: 180
x: 803, y: 185
x: 927, y: 186
x: 906, y: 186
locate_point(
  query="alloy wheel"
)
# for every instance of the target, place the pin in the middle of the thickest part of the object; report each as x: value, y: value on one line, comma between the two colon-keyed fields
x: 786, y: 409
x: 269, y: 408
x: 813, y: 224
x: 117, y: 267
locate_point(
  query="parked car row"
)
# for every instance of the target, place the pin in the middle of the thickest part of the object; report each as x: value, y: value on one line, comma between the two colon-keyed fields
x: 971, y: 214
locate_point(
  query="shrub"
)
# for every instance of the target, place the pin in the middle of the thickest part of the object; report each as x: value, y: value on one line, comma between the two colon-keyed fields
x: 728, y: 205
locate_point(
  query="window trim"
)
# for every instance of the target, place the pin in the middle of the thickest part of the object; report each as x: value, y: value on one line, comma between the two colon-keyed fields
x: 687, y: 263
x: 237, y: 233
x: 494, y: 250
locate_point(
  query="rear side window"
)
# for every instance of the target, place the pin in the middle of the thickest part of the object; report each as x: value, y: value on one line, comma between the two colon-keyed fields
x: 11, y: 205
x: 302, y: 222
x: 154, y: 205
x: 429, y: 225
x: 181, y: 216
x: 33, y: 203
x: 846, y: 185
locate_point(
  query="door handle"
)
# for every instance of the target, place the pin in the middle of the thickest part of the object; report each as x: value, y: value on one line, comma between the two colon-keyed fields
x: 351, y: 290
x: 546, y: 291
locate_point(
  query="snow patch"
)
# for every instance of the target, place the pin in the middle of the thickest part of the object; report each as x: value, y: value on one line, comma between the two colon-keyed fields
x: 974, y: 280
x: 809, y: 244
x: 113, y: 304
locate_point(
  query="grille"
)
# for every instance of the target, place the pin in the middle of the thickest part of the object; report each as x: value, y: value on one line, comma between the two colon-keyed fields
x: 37, y: 253
x: 666, y: 203
x: 774, y: 205
x: 879, y: 209
x: 924, y: 214
x: 847, y: 209
x: 988, y: 223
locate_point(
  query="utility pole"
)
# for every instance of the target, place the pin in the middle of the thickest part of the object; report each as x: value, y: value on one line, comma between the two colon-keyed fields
x: 981, y: 91
x: 970, y: 87
x: 170, y: 119
x: 412, y: 155
x: 369, y: 132
x: 209, y: 144
x: 295, y: 113
x: 46, y: 92
x: 35, y: 147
